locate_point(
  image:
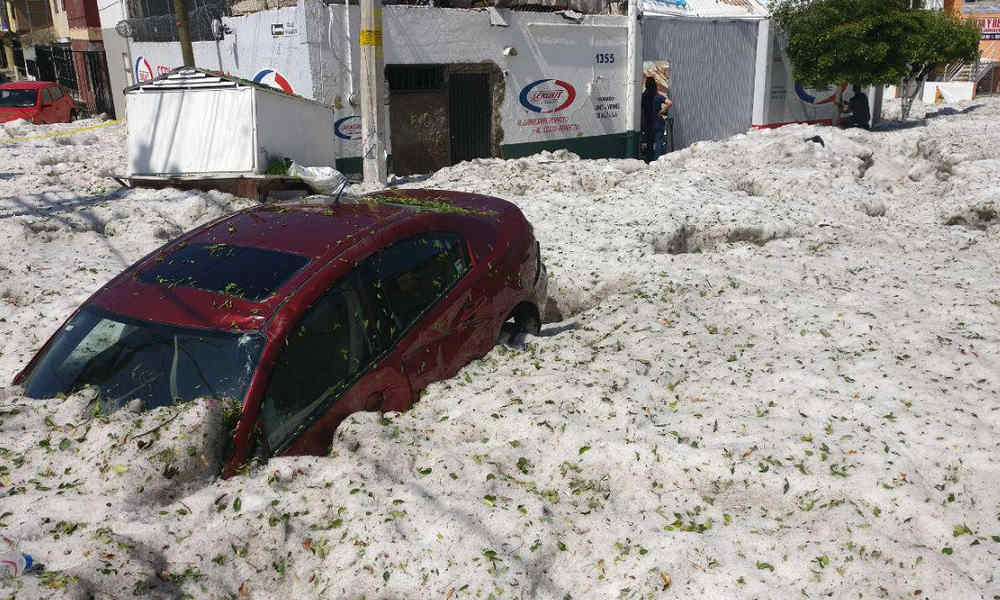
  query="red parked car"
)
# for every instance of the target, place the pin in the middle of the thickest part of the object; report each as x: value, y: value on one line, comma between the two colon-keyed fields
x: 305, y: 313
x: 35, y: 101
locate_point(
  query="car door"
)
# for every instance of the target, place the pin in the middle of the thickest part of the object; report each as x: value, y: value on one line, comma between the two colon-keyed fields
x: 307, y: 393
x: 45, y: 114
x: 332, y: 364
x: 414, y: 284
x: 61, y: 105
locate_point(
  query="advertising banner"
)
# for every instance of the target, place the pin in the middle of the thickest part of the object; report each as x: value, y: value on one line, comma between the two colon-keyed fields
x: 268, y: 47
x: 567, y: 93
x: 990, y: 27
x: 791, y: 102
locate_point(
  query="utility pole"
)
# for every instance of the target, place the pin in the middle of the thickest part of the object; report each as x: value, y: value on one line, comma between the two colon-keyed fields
x: 183, y: 33
x: 634, y: 79
x: 372, y: 94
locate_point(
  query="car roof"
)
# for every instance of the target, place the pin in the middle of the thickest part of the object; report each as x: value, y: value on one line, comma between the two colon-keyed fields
x: 317, y: 232
x: 26, y: 85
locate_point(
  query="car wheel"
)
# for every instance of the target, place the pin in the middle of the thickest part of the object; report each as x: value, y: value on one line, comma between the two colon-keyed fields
x: 523, y: 320
x: 73, y: 115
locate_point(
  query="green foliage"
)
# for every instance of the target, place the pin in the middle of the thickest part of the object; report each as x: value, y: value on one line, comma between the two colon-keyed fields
x: 869, y: 42
x: 943, y: 39
x: 278, y: 166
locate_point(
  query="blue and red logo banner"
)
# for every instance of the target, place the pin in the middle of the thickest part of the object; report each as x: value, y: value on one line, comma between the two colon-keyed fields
x: 272, y: 78
x: 547, y: 95
x: 808, y: 98
x: 348, y: 128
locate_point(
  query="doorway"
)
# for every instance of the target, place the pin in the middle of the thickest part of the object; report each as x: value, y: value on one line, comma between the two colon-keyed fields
x: 97, y: 79
x: 470, y: 116
x: 440, y: 115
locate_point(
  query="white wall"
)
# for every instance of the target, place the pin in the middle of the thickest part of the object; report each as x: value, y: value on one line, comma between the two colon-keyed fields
x: 251, y: 51
x: 951, y: 91
x: 195, y: 131
x: 117, y: 52
x: 547, y: 46
x: 292, y: 128
x: 316, y: 56
x: 787, y: 101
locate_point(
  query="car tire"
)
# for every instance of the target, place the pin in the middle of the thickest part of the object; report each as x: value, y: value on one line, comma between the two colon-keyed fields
x: 522, y: 321
x: 73, y: 115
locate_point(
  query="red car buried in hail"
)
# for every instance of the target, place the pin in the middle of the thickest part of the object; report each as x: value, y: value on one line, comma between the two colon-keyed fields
x: 35, y: 101
x: 304, y: 313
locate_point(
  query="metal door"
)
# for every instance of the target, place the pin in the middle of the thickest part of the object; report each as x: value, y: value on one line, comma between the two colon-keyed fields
x: 19, y: 64
x: 97, y: 77
x: 470, y: 116
x: 43, y: 63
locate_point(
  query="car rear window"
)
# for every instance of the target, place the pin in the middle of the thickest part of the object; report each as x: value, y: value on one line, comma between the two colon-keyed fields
x: 240, y: 271
x: 18, y: 98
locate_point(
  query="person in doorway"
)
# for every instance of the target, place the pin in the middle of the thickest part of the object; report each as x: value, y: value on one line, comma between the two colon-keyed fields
x: 654, y: 108
x: 857, y: 113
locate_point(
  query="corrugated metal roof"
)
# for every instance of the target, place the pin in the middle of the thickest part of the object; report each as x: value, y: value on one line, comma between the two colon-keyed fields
x: 188, y: 78
x: 194, y: 78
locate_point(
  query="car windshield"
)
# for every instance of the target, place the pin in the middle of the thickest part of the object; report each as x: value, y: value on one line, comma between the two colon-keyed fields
x: 18, y: 98
x: 127, y: 359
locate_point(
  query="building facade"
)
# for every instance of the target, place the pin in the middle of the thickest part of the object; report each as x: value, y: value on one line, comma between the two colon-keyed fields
x: 489, y: 82
x: 462, y: 83
x: 986, y: 14
x: 58, y: 40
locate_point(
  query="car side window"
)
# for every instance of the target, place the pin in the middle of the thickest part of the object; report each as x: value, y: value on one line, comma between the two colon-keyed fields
x: 320, y: 360
x: 56, y: 93
x: 46, y: 96
x: 409, y: 277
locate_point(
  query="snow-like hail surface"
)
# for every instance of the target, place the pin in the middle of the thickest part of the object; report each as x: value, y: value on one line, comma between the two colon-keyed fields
x: 771, y: 371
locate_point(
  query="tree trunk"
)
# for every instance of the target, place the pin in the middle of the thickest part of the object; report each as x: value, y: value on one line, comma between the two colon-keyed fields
x: 183, y: 33
x: 838, y: 101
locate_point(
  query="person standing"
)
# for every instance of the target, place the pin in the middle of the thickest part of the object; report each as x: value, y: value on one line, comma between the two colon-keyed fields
x: 654, y: 107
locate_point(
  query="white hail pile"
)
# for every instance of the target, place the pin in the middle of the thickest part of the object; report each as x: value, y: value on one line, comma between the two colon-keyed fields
x: 773, y: 372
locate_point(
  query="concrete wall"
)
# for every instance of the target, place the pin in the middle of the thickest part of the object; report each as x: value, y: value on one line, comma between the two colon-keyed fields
x: 252, y: 51
x: 950, y: 91
x: 562, y: 80
x: 786, y: 100
x: 60, y: 21
x: 541, y: 47
x: 116, y: 51
x: 423, y: 116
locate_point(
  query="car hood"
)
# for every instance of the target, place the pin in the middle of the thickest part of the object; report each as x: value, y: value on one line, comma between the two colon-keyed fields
x: 12, y: 114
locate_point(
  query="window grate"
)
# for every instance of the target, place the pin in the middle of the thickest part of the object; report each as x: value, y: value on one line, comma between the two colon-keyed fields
x: 406, y: 78
x: 62, y: 60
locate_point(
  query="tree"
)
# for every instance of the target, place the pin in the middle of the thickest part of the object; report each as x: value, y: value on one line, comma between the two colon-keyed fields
x: 871, y: 42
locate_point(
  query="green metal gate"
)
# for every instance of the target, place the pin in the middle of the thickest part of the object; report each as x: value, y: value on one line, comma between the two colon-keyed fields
x: 470, y: 115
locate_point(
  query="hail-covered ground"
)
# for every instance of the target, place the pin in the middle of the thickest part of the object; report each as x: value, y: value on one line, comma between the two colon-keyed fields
x: 772, y: 370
